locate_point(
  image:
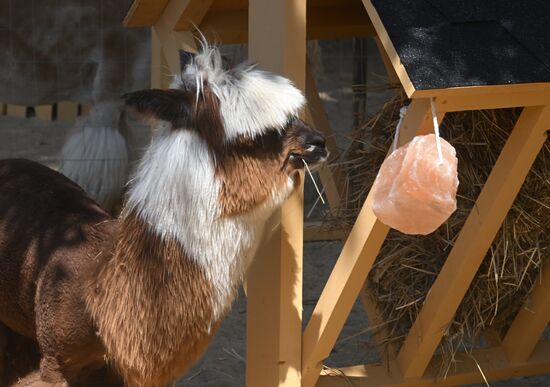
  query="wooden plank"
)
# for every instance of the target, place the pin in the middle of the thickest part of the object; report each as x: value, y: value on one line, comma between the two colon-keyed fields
x: 277, y: 42
x: 16, y: 111
x: 231, y: 26
x: 226, y: 27
x: 229, y: 5
x: 393, y: 79
x: 529, y: 324
x: 351, y: 269
x: 471, y: 91
x: 67, y: 111
x: 474, y: 240
x: 160, y: 72
x: 170, y: 41
x: 144, y: 13
x: 331, y: 178
x: 492, y: 361
x: 389, y: 48
x: 331, y: 22
x: 490, y: 98
x: 193, y: 15
x: 3, y: 109
x: 44, y: 112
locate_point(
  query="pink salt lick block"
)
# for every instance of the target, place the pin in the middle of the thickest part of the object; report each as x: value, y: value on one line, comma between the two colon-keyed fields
x: 414, y: 191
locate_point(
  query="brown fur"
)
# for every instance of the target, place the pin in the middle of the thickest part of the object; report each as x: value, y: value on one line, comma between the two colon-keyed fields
x: 153, y: 281
x: 50, y: 236
x: 168, y: 335
x: 95, y: 292
x: 253, y: 170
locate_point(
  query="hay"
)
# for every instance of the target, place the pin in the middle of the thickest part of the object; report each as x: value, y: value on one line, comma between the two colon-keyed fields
x: 408, y: 265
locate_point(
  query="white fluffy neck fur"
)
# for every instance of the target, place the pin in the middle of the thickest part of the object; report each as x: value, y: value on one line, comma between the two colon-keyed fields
x: 175, y: 191
x: 251, y: 101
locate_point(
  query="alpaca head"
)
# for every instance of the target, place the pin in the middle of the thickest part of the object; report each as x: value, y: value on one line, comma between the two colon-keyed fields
x: 246, y: 117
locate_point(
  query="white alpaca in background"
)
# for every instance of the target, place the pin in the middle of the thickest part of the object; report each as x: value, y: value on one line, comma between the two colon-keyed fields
x: 77, y: 51
x: 95, y: 154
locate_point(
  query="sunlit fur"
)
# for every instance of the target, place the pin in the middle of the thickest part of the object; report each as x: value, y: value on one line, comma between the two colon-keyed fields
x: 252, y: 101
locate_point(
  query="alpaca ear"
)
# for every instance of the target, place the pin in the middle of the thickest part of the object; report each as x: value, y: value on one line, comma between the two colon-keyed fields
x: 170, y: 105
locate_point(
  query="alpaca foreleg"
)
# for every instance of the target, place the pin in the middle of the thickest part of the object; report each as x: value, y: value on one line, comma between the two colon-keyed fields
x: 95, y: 154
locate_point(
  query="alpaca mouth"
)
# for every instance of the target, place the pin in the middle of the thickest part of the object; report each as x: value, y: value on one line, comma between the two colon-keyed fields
x: 313, y: 155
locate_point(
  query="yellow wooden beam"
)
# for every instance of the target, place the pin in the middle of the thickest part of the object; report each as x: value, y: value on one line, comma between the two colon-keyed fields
x: 144, y: 13
x: 472, y: 91
x: 226, y: 27
x: 338, y: 21
x: 474, y: 240
x: 230, y: 26
x: 491, y: 97
x: 171, y: 41
x: 529, y: 324
x: 161, y: 73
x: 491, y: 361
x: 351, y: 269
x: 389, y: 48
x: 193, y: 15
x: 277, y: 42
x: 393, y: 79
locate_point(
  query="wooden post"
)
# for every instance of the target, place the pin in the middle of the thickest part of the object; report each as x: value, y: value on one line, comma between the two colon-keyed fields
x: 529, y: 324
x: 67, y: 111
x: 166, y: 43
x: 16, y: 111
x: 160, y: 73
x: 474, y: 240
x: 277, y: 42
x: 352, y: 267
x: 43, y: 112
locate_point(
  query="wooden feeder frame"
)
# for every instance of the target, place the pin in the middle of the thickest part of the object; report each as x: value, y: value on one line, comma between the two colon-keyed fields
x: 279, y: 353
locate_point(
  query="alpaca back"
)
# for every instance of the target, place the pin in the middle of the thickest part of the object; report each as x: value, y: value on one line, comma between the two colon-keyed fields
x: 46, y: 225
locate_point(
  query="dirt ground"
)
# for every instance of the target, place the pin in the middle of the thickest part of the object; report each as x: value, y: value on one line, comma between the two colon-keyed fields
x: 223, y: 365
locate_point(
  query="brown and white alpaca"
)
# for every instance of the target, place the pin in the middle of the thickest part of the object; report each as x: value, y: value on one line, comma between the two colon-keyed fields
x: 146, y: 293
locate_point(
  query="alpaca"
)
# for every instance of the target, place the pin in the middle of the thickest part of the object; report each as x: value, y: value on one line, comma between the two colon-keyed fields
x: 69, y: 50
x: 137, y: 299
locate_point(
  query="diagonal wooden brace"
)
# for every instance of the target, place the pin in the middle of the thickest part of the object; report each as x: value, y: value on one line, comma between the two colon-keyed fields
x: 474, y: 240
x: 529, y: 324
x: 352, y: 267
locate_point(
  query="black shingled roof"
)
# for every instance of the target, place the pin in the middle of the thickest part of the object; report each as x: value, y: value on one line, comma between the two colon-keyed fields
x: 451, y: 43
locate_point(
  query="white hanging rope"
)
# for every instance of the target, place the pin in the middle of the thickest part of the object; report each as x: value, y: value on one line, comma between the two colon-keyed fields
x: 436, y: 131
x: 402, y: 112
